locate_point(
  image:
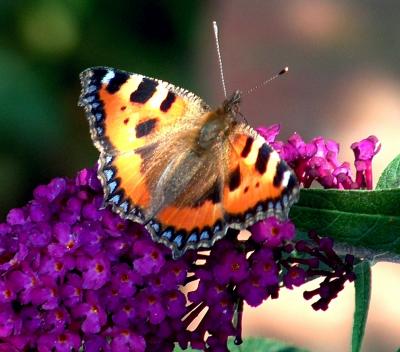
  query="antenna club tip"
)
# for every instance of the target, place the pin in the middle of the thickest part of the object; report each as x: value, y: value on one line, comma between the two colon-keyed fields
x: 283, y: 71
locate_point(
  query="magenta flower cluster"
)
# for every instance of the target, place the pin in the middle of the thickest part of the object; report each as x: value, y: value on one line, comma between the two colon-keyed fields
x: 318, y: 160
x: 254, y: 270
x: 74, y: 276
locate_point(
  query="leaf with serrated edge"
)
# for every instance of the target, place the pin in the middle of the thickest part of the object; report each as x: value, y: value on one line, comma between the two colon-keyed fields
x: 390, y: 177
x: 362, y: 299
x: 370, y: 219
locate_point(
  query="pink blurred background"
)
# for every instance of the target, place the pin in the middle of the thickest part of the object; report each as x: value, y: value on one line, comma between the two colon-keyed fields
x: 343, y: 84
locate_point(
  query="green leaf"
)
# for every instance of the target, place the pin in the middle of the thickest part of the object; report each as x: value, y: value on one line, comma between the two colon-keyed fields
x: 253, y: 344
x: 390, y: 177
x: 259, y: 344
x: 362, y: 299
x: 369, y: 219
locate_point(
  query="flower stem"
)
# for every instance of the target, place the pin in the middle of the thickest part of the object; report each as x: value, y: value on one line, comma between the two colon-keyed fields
x: 372, y: 255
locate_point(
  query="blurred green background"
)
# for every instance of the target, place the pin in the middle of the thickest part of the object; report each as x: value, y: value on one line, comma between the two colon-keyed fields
x: 44, y: 45
x: 343, y: 83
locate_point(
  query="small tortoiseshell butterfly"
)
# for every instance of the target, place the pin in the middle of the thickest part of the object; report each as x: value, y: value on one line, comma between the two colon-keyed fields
x: 169, y: 161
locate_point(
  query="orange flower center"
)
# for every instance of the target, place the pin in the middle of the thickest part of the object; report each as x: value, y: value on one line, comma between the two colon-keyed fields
x: 275, y: 231
x: 99, y: 268
x: 235, y: 266
x: 152, y: 300
x: 267, y: 267
x: 59, y: 315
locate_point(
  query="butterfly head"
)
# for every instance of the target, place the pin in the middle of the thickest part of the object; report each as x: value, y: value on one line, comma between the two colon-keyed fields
x: 231, y: 105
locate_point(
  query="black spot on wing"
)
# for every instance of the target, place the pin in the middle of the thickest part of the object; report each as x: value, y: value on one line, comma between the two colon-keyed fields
x: 144, y: 91
x: 292, y: 182
x: 234, y: 179
x: 262, y: 158
x: 281, y: 167
x: 213, y: 194
x: 247, y: 148
x: 145, y: 128
x: 167, y: 102
x: 97, y: 76
x: 116, y: 82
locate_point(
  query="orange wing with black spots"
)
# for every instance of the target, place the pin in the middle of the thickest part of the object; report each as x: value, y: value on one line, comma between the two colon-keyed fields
x: 127, y: 111
x: 258, y: 183
x: 247, y: 183
x: 167, y: 161
x: 129, y: 114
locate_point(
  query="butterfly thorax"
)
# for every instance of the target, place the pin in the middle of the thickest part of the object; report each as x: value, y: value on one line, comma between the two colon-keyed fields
x: 219, y: 122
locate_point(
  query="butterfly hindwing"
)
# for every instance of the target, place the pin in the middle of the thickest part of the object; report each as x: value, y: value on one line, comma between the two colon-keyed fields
x: 192, y: 218
x: 243, y: 180
x: 258, y: 182
x: 195, y: 217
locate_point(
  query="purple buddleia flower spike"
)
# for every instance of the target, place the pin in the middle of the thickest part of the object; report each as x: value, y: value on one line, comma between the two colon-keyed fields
x: 76, y: 276
x: 318, y: 160
x: 73, y: 274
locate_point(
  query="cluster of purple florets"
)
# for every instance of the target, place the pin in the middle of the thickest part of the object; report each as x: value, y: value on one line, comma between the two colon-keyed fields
x: 318, y: 160
x: 254, y: 269
x: 74, y: 276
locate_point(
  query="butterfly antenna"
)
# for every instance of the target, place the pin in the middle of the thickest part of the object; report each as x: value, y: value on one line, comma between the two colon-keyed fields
x: 221, y: 70
x: 280, y: 73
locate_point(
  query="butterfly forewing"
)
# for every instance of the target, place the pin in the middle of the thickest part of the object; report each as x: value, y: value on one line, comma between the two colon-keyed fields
x: 131, y: 116
x: 127, y: 111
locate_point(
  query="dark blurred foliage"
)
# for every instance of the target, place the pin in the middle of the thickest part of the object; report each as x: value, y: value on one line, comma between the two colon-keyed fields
x: 44, y: 45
